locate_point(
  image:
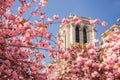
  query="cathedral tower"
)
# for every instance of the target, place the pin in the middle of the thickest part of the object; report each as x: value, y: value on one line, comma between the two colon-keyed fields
x: 76, y: 34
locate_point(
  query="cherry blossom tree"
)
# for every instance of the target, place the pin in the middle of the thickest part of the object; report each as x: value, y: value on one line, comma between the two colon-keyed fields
x: 20, y: 39
x: 89, y: 62
x: 22, y: 42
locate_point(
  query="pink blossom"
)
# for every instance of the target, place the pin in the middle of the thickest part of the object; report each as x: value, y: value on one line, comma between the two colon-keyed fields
x: 89, y: 62
x: 15, y: 75
x: 101, y: 65
x: 95, y: 40
x: 95, y: 74
x: 78, y: 21
x: 104, y: 23
x: 80, y: 60
x: 9, y: 3
x: 48, y: 36
x: 21, y: 10
x: 91, y: 51
x: 22, y: 2
x: 34, y: 69
x: 55, y: 17
x: 59, y: 42
x: 52, y: 54
x: 96, y: 21
x: 27, y: 35
x: 27, y: 5
x: 63, y: 56
x: 33, y: 0
x: 7, y: 62
x: 49, y: 20
x: 65, y: 20
x: 46, y: 44
x: 8, y: 13
x: 8, y: 72
x: 75, y: 18
x: 38, y: 23
x: 51, y: 49
x: 1, y: 40
x: 43, y: 16
x: 89, y: 46
x: 44, y: 2
x: 40, y: 55
x: 33, y: 13
x: 116, y: 30
x: 106, y: 45
x: 107, y: 67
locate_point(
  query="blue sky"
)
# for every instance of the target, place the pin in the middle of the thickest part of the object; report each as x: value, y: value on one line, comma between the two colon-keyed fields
x: 108, y: 10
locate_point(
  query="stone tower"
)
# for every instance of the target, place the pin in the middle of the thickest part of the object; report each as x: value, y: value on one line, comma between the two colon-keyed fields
x: 76, y: 34
x: 108, y: 32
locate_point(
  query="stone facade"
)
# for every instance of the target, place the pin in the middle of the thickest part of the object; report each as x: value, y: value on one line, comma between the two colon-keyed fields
x: 108, y: 32
x: 76, y: 34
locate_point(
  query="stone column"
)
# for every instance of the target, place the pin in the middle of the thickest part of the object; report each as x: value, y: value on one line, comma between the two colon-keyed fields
x: 81, y: 35
x: 71, y: 34
x: 67, y: 36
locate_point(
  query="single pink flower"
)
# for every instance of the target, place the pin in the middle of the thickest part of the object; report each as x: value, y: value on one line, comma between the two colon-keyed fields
x: 55, y: 17
x: 7, y: 62
x: 44, y: 2
x: 95, y: 74
x: 65, y: 20
x: 34, y: 69
x: 8, y: 13
x: 78, y: 21
x: 116, y: 30
x: 89, y: 62
x: 22, y: 2
x: 96, y: 21
x: 49, y: 20
x: 52, y: 54
x: 15, y: 75
x: 38, y: 23
x: 33, y: 0
x: 21, y: 10
x: 8, y: 72
x: 43, y: 16
x: 63, y: 56
x: 48, y: 36
x: 104, y: 23
x: 80, y: 60
x: 75, y: 18
x: 105, y: 45
x: 27, y: 5
x: 40, y: 55
x: 59, y: 42
x: 51, y: 49
x: 46, y: 44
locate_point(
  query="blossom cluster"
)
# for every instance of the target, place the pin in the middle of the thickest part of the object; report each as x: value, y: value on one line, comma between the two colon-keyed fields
x: 22, y: 42
x: 89, y: 62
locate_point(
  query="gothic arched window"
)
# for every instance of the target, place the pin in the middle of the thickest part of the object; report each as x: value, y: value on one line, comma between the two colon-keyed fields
x: 84, y: 36
x: 77, y: 39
